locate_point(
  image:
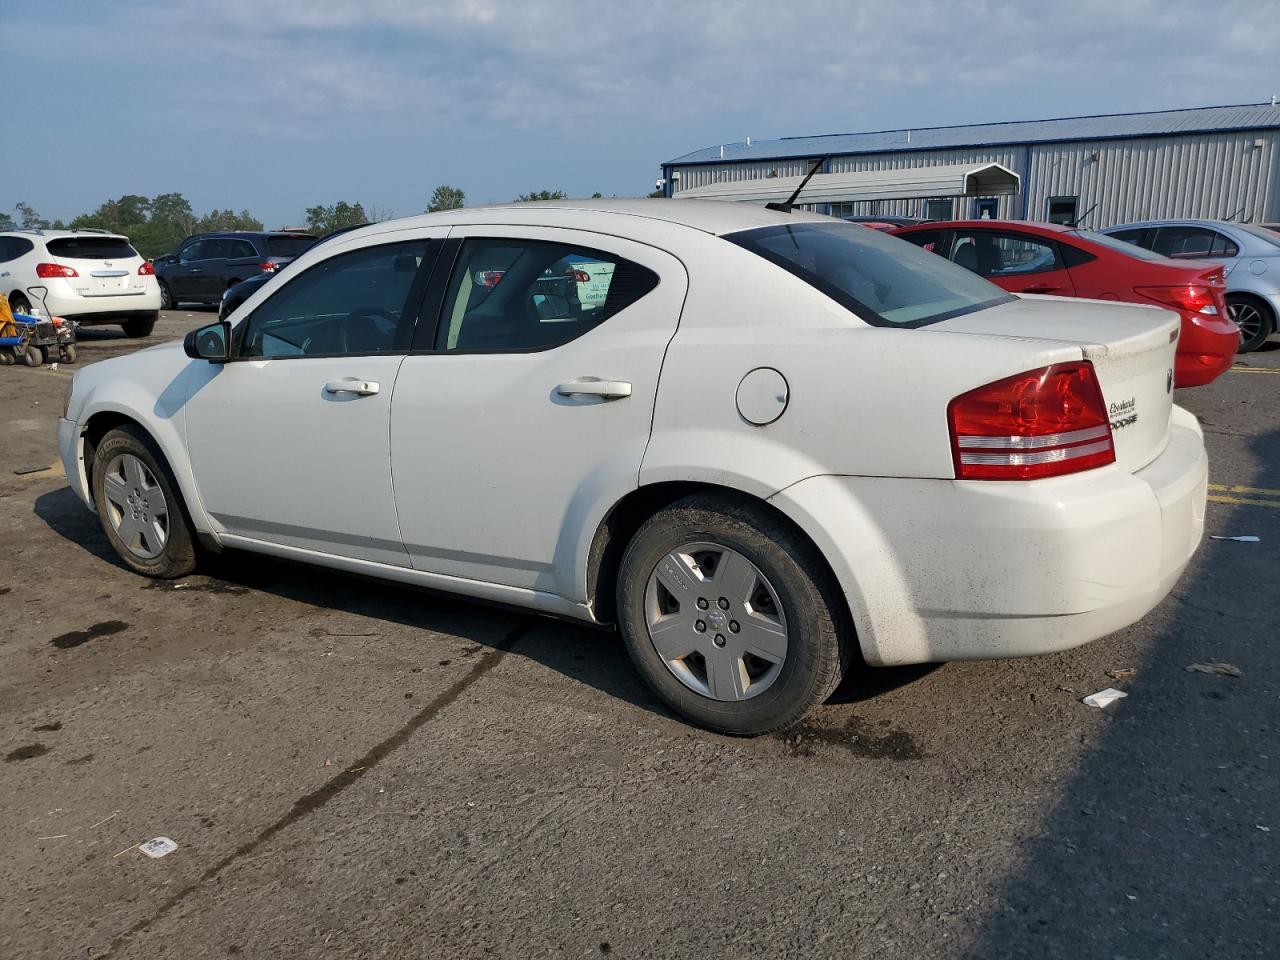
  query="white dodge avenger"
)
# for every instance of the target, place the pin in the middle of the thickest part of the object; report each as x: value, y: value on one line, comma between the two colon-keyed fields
x: 767, y: 445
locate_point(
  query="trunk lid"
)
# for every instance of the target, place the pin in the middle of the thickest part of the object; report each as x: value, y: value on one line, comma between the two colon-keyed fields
x: 106, y: 266
x: 1131, y: 348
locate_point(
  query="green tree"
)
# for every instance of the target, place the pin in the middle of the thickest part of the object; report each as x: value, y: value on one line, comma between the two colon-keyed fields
x: 446, y: 197
x: 597, y: 195
x: 227, y: 220
x: 27, y: 218
x: 656, y: 194
x: 322, y: 219
x: 7, y: 222
x: 542, y: 195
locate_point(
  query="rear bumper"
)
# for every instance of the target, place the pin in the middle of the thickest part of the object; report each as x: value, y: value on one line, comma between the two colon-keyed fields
x: 64, y: 302
x: 1206, y: 350
x: 963, y: 570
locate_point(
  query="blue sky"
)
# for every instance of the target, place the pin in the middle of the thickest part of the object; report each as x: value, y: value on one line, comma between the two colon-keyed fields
x: 275, y: 106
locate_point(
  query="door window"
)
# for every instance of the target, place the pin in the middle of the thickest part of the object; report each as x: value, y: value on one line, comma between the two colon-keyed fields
x: 1223, y: 247
x: 524, y: 295
x: 1183, y: 243
x: 355, y: 304
x: 191, y: 252
x: 997, y: 255
x: 925, y: 239
x: 241, y: 249
x: 1134, y: 236
x: 218, y: 248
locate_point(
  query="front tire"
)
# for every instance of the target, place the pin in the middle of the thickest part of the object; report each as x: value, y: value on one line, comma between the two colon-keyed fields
x: 141, y: 510
x: 1255, y: 319
x: 731, y: 615
x: 137, y: 327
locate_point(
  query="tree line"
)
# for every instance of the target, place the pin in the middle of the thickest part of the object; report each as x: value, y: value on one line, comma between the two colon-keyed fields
x: 156, y: 225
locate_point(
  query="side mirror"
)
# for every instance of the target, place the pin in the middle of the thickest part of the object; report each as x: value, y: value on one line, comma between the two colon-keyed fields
x: 212, y: 342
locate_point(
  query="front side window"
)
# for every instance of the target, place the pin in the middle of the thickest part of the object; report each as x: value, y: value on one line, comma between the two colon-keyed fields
x: 522, y: 295
x: 358, y: 303
x: 1003, y: 254
x: 191, y: 252
x: 879, y: 278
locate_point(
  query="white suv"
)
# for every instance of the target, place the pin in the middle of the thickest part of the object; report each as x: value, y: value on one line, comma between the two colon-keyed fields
x: 91, y: 276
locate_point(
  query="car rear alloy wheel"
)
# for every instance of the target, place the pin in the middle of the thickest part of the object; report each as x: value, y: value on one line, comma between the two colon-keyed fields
x: 716, y: 621
x: 139, y: 505
x: 1254, y: 322
x: 166, y: 297
x: 732, y: 615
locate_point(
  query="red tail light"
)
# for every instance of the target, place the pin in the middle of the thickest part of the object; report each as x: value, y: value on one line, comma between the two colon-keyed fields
x: 49, y: 271
x: 268, y: 267
x: 1192, y: 297
x: 1042, y: 423
x: 147, y: 269
x: 579, y: 276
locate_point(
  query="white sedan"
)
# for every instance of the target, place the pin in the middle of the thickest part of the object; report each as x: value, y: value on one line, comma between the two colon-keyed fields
x: 775, y: 447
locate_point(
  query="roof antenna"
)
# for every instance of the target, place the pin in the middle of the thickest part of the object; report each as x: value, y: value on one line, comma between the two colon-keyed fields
x: 1273, y: 99
x: 787, y: 207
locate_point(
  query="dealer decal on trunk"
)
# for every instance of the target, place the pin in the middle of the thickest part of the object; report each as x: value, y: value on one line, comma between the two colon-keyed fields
x: 1124, y: 413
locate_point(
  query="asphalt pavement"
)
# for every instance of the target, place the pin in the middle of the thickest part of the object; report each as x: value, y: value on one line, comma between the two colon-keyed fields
x: 356, y: 770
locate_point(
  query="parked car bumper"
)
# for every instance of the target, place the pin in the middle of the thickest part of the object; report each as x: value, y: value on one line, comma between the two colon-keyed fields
x: 1206, y: 349
x: 64, y: 302
x: 70, y: 451
x: 958, y: 570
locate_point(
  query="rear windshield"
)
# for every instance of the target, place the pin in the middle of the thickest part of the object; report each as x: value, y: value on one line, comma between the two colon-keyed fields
x: 1120, y: 246
x: 1262, y: 233
x: 885, y: 281
x: 91, y: 248
x: 289, y: 246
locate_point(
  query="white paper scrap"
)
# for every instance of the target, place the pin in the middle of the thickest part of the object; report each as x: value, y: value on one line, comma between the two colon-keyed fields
x: 159, y: 847
x: 1104, y: 697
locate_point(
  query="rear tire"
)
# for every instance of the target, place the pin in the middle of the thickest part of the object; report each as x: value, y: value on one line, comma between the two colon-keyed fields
x: 166, y: 297
x: 19, y: 304
x: 139, y: 326
x: 1256, y: 321
x: 773, y: 580
x: 69, y: 353
x: 142, y: 514
x: 32, y: 357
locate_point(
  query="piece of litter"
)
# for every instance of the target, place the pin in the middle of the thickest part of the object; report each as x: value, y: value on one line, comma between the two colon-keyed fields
x: 1248, y: 539
x: 1262, y: 828
x: 1104, y: 697
x: 104, y: 820
x: 1222, y: 669
x: 60, y: 836
x: 157, y: 848
x: 125, y: 850
x: 53, y: 366
x: 1122, y: 674
x: 25, y: 470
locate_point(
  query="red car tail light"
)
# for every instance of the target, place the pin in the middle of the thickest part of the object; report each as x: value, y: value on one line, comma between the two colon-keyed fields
x: 1042, y: 423
x: 147, y: 269
x: 268, y: 267
x: 579, y: 276
x: 49, y: 271
x: 1192, y: 297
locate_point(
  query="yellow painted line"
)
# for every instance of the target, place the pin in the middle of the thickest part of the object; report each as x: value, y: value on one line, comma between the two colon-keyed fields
x: 1263, y: 491
x: 1243, y: 501
x: 1253, y: 370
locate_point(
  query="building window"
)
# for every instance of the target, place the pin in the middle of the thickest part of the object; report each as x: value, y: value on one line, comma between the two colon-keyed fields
x: 939, y: 209
x: 1063, y: 210
x: 985, y: 209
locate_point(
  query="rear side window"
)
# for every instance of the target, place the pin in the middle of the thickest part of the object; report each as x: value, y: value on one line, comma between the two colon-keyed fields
x: 241, y: 249
x: 1189, y: 243
x: 289, y: 246
x: 91, y: 248
x: 1223, y: 247
x: 1112, y: 242
x: 878, y: 278
x: 1130, y: 236
x: 11, y: 248
x: 525, y: 295
x: 216, y: 248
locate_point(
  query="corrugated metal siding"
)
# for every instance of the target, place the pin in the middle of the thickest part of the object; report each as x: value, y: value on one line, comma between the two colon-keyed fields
x: 1153, y: 124
x: 1202, y: 176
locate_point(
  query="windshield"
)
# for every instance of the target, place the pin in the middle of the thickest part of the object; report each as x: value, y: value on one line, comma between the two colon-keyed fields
x: 884, y: 280
x: 1120, y: 246
x: 1262, y: 233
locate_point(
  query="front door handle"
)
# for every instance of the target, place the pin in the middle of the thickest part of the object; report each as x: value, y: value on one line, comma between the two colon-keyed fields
x: 196, y: 270
x: 361, y: 388
x: 595, y: 387
x: 1040, y: 288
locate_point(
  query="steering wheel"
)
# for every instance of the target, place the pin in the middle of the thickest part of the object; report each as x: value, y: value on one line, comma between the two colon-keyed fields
x: 380, y: 328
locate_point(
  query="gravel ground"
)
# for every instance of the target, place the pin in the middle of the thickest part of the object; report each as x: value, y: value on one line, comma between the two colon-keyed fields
x: 356, y: 770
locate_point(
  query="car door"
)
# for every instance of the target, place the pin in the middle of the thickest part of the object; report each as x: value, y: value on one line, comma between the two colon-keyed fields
x: 527, y: 414
x: 289, y: 440
x: 186, y: 270
x: 209, y: 272
x: 1014, y: 260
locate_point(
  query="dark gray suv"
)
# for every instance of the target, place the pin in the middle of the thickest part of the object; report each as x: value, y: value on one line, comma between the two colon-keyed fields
x: 205, y: 265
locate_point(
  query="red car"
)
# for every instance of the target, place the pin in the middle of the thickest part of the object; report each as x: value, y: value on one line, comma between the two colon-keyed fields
x: 1070, y: 262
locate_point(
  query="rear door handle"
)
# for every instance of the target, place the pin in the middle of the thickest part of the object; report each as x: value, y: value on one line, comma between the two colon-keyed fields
x: 595, y: 387
x: 361, y: 388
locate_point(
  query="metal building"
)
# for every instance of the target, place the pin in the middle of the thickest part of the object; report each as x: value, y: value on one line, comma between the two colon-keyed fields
x: 1208, y: 162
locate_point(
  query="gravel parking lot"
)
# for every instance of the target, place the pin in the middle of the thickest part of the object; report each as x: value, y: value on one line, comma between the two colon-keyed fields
x: 355, y: 770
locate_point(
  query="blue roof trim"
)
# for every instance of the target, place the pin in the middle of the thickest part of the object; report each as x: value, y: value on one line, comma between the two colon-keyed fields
x: 1114, y: 126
